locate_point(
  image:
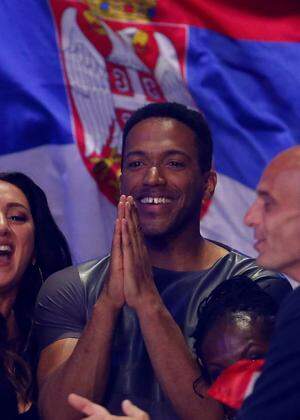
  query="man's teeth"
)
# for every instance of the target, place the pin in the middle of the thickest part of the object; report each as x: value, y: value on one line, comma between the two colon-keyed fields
x: 155, y: 200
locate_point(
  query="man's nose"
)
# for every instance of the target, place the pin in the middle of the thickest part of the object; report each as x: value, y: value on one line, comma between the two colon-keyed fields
x: 251, y: 218
x: 154, y: 176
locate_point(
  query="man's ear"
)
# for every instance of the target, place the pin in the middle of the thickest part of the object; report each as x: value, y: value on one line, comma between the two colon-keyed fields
x: 210, y: 182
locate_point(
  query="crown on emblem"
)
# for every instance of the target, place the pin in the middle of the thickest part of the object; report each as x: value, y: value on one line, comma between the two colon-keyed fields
x: 141, y: 10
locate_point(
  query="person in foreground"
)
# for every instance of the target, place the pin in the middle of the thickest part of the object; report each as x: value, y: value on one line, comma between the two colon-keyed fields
x: 31, y: 248
x: 236, y: 322
x: 120, y: 328
x: 275, y: 217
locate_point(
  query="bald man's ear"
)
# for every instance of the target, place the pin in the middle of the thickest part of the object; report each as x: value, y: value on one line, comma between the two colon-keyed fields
x: 210, y: 182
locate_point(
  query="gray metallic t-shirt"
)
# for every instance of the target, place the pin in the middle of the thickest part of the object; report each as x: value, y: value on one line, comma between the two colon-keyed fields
x: 65, y: 305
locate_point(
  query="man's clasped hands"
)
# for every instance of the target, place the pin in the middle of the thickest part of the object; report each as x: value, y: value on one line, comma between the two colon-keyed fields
x: 130, y: 279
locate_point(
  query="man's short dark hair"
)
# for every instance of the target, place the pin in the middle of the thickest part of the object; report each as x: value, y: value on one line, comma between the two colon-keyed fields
x: 191, y: 118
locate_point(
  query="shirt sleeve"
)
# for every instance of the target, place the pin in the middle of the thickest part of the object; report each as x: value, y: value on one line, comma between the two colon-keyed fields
x: 276, y: 394
x: 60, y: 309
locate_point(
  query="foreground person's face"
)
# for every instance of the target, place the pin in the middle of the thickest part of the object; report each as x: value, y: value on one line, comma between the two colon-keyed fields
x: 275, y: 217
x: 162, y: 173
x: 16, y: 236
x: 232, y: 338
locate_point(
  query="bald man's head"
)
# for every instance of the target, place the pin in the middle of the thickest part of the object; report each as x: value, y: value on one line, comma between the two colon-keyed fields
x: 287, y: 160
x: 275, y: 214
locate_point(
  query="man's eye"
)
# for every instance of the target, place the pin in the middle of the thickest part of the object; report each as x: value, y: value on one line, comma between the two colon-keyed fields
x: 135, y: 164
x: 176, y: 164
x: 268, y: 204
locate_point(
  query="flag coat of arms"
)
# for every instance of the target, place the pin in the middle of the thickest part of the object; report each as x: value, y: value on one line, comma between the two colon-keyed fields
x: 73, y: 71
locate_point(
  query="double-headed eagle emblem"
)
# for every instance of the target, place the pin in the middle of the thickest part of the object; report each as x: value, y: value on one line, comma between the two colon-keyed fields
x: 106, y: 87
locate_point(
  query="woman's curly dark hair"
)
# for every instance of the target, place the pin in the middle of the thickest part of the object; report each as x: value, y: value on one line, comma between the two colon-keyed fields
x: 16, y: 369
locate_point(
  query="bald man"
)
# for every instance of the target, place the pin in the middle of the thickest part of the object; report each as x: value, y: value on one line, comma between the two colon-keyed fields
x: 275, y: 217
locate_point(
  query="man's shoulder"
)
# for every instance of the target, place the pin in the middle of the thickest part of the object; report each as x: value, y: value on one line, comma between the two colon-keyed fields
x: 290, y: 309
x: 86, y: 272
x: 275, y: 283
x: 93, y: 270
x: 239, y: 263
x: 92, y: 275
x: 66, y: 301
x: 73, y: 288
x: 85, y: 278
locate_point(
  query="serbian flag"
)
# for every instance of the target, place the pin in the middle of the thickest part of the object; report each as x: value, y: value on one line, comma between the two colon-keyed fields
x: 236, y: 383
x: 73, y: 71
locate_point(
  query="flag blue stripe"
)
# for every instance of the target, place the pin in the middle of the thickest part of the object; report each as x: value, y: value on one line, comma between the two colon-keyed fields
x: 249, y: 92
x: 33, y: 100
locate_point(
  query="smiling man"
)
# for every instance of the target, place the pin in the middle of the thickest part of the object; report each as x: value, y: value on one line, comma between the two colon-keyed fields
x: 121, y: 327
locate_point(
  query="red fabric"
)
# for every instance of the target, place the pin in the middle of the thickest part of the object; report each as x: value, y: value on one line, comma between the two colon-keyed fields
x: 248, y: 19
x: 232, y: 386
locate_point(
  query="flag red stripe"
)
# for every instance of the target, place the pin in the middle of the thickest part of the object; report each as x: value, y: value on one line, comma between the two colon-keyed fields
x: 252, y: 19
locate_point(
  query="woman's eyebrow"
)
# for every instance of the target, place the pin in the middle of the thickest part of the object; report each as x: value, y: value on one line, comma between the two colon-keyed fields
x: 16, y: 204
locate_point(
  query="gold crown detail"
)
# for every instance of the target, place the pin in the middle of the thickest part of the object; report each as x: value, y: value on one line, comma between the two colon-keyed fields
x: 128, y: 10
